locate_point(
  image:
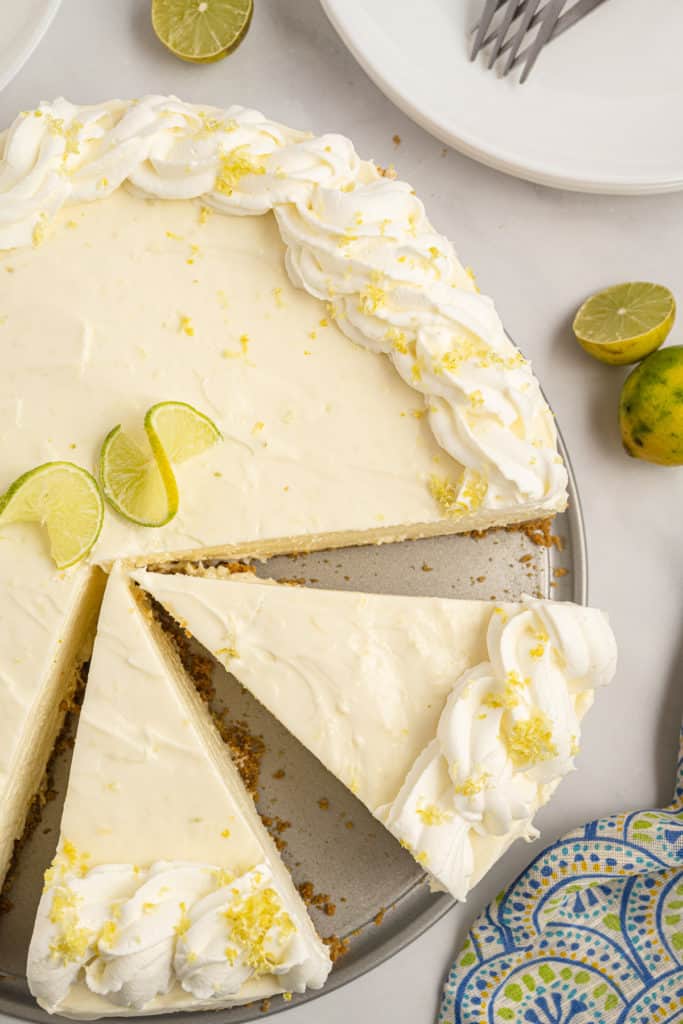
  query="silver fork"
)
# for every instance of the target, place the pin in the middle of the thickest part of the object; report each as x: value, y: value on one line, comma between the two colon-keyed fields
x: 519, y: 18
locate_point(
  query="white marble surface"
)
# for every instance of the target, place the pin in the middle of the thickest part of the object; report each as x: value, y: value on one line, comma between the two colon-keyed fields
x: 538, y: 252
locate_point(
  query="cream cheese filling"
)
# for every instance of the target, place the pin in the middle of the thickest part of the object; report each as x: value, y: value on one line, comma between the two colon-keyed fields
x: 453, y: 721
x: 155, y: 813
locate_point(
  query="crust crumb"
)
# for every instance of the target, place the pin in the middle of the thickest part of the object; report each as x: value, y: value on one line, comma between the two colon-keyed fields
x: 321, y: 900
x: 337, y: 947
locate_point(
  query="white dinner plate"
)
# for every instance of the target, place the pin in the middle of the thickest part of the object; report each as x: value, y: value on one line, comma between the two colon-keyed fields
x: 601, y: 111
x: 23, y: 23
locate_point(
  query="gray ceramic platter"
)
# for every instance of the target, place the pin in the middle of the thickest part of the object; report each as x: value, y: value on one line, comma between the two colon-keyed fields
x: 341, y: 850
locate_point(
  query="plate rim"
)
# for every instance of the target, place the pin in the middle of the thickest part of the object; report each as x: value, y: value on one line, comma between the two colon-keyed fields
x: 33, y: 38
x: 337, y: 13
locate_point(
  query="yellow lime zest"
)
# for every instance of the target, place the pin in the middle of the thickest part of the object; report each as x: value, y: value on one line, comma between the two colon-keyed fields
x: 531, y: 741
x: 250, y: 919
x: 185, y: 325
x: 458, y: 500
x: 468, y: 348
x: 184, y: 922
x: 72, y: 940
x: 433, y: 815
x: 39, y: 230
x: 373, y: 295
x: 108, y: 933
x: 233, y: 167
x: 227, y: 652
x: 223, y: 877
x: 473, y: 785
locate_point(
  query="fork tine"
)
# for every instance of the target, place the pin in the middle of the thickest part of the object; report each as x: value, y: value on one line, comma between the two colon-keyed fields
x: 476, y: 24
x: 521, y: 4
x: 567, y: 20
x: 502, y: 32
x: 551, y: 12
x: 528, y: 19
x: 486, y: 18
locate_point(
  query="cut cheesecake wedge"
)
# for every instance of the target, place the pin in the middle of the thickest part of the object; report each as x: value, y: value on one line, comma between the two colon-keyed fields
x: 166, y: 892
x: 453, y: 721
x: 46, y: 627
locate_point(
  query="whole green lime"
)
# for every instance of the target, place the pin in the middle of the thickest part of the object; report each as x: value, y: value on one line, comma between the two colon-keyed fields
x: 651, y: 408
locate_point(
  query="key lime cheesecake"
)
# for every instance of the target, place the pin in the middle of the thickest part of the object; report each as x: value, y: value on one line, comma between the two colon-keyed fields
x: 153, y: 251
x: 166, y: 892
x: 453, y: 721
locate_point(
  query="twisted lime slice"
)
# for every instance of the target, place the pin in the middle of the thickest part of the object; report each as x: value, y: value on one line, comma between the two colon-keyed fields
x: 626, y: 322
x: 140, y: 484
x: 201, y: 31
x: 66, y: 500
x: 181, y: 429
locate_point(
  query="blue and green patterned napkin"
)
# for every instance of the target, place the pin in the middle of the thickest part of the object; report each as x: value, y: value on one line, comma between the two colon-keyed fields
x: 590, y: 933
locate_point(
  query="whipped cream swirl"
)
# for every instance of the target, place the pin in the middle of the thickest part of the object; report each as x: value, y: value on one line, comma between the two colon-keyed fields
x: 508, y: 733
x: 357, y: 240
x: 131, y: 935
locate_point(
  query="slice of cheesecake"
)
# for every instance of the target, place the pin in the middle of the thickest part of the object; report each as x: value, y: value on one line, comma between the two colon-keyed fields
x: 166, y: 892
x: 46, y: 628
x: 453, y: 721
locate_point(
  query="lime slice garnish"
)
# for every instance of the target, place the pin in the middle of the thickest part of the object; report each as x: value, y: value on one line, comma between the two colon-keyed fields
x: 182, y: 430
x: 66, y: 500
x: 626, y: 322
x: 651, y: 408
x: 201, y: 30
x: 140, y: 485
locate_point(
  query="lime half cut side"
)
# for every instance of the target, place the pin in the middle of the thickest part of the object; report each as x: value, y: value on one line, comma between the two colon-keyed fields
x: 65, y: 499
x: 180, y: 429
x: 201, y: 31
x: 139, y: 485
x: 626, y: 322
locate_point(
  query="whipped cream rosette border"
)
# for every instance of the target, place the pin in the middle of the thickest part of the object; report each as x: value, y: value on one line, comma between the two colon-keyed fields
x: 132, y: 934
x: 353, y: 238
x: 506, y: 737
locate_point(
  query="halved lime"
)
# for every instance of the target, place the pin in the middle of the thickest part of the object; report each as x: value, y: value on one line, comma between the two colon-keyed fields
x: 140, y: 485
x: 201, y: 30
x: 626, y: 322
x: 66, y: 500
x: 182, y: 430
